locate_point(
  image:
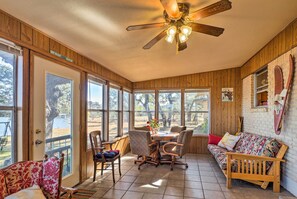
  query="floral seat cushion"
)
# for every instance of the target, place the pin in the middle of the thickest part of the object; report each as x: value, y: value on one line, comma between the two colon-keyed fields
x: 3, y: 190
x: 219, y: 154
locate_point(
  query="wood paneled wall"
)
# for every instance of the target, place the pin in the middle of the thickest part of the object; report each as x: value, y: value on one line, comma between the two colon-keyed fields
x: 25, y: 35
x: 281, y: 43
x: 223, y: 114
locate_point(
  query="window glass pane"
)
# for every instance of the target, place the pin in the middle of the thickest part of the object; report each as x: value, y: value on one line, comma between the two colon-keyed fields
x: 144, y: 108
x: 6, y: 137
x: 126, y: 101
x: 169, y: 109
x: 95, y: 108
x: 113, y: 99
x: 126, y: 119
x: 95, y: 92
x: 197, y: 111
x: 196, y: 101
x: 7, y: 62
x: 113, y: 124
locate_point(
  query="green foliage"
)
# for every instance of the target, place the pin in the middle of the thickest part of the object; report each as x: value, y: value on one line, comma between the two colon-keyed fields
x: 6, y: 81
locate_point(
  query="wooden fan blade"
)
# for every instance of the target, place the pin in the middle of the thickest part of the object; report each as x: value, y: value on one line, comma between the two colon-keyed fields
x: 182, y: 46
x: 206, y: 29
x: 145, y: 26
x: 171, y: 8
x: 155, y: 40
x: 212, y: 9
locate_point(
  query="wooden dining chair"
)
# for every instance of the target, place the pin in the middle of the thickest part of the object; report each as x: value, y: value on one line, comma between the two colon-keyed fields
x: 171, y: 150
x: 102, y: 156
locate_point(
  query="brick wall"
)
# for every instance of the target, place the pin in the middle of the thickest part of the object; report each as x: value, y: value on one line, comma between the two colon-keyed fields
x: 261, y: 121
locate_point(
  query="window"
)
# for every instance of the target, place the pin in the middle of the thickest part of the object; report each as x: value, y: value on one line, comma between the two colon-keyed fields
x: 169, y: 109
x: 144, y: 107
x: 261, y: 88
x: 96, y: 107
x: 126, y: 111
x: 114, y: 112
x: 8, y: 105
x: 197, y: 104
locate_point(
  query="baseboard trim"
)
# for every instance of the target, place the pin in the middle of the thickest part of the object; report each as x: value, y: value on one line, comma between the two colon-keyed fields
x: 289, y: 185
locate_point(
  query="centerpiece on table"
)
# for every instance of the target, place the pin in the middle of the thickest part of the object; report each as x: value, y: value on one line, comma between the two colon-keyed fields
x: 153, y: 125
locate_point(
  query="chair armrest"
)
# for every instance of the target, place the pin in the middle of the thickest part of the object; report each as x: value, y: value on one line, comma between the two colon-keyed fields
x: 110, y: 143
x: 234, y: 155
x: 171, y: 143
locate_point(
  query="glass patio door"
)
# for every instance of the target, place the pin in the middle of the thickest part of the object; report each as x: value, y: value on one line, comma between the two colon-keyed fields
x: 56, y: 115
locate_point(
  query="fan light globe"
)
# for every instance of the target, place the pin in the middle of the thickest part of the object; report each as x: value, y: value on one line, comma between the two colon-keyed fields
x: 169, y: 38
x: 186, y: 30
x: 171, y: 30
x: 182, y: 37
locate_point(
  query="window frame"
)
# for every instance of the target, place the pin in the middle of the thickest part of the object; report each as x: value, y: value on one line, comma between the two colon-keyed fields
x: 155, y: 92
x: 262, y: 70
x: 118, y: 111
x: 103, y: 110
x: 208, y: 107
x: 16, y: 52
x: 129, y: 111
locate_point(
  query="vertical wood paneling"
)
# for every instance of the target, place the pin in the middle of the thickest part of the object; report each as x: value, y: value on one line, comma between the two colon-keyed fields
x: 40, y: 41
x: 10, y: 26
x: 26, y: 34
x: 281, y: 43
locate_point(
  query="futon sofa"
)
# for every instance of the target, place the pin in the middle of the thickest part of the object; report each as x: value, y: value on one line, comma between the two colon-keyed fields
x: 22, y: 175
x: 255, y: 159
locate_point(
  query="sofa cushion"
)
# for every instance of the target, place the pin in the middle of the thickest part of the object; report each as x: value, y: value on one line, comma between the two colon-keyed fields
x: 271, y: 150
x: 219, y: 154
x: 3, y: 190
x: 22, y: 175
x: 252, y: 144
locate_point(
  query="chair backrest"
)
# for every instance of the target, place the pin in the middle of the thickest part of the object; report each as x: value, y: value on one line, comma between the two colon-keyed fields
x: 142, y: 128
x: 178, y: 129
x: 139, y: 142
x: 185, y: 139
x: 95, y: 139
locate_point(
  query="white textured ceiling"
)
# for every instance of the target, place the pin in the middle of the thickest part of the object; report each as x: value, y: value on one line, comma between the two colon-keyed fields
x: 97, y: 29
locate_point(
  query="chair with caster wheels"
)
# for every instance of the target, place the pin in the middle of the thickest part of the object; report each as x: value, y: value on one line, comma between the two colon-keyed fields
x: 171, y: 150
x: 142, y: 145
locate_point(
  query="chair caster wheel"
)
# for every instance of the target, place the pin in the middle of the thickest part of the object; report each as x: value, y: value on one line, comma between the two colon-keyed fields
x: 138, y: 168
x: 171, y: 169
x: 187, y: 166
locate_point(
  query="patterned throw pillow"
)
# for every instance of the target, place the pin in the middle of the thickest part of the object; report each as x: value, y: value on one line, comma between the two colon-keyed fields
x: 228, y: 141
x: 271, y: 150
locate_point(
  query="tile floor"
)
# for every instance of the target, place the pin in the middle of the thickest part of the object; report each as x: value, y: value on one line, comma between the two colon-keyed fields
x: 203, y: 179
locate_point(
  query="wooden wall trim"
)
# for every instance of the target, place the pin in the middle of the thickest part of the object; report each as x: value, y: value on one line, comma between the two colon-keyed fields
x: 27, y: 36
x: 281, y: 43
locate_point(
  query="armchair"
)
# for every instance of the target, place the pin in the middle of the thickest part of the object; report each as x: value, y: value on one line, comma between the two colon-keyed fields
x: 141, y: 144
x: 46, y: 174
x: 100, y: 155
x: 176, y: 149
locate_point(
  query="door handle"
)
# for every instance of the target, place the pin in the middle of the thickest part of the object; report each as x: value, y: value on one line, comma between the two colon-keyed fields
x: 37, y: 142
x: 37, y: 131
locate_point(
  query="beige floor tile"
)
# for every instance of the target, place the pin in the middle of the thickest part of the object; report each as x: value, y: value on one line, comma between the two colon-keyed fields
x: 211, y: 186
x: 174, y: 191
x: 147, y: 188
x: 195, y: 193
x: 195, y: 178
x: 152, y: 196
x: 127, y: 178
x: 193, y: 185
x: 113, y: 193
x: 176, y: 183
x: 213, y: 194
x: 208, y: 179
x: 122, y: 185
x: 132, y: 195
x: 207, y: 173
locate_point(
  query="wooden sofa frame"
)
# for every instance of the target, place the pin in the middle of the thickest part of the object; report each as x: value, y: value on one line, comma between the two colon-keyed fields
x: 252, y: 168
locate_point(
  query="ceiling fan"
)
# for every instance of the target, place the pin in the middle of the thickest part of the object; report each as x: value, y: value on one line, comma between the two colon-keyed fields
x: 180, y: 23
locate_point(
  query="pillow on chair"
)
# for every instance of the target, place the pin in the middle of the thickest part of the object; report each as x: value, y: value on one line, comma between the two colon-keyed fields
x: 33, y: 192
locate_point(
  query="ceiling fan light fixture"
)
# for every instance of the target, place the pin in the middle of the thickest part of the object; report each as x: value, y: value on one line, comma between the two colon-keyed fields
x: 186, y: 30
x: 171, y: 30
x: 169, y: 38
x: 182, y: 37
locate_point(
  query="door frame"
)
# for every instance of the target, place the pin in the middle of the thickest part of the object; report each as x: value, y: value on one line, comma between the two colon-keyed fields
x: 31, y: 106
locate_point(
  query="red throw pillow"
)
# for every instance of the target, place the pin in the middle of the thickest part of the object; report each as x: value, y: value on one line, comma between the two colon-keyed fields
x: 214, y: 139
